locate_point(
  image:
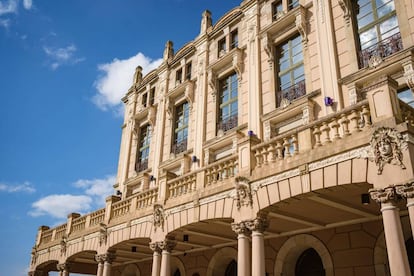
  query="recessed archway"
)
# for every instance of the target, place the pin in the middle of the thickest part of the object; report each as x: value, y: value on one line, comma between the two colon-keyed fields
x: 221, y: 260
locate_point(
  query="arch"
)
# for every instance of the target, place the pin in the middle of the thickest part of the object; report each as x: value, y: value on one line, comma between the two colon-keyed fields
x: 225, y: 19
x: 291, y: 250
x: 380, y: 257
x: 177, y: 264
x: 187, y: 48
x: 131, y: 270
x: 219, y: 262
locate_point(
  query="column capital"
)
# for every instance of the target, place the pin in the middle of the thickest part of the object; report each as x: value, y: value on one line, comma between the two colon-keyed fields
x: 167, y: 245
x: 63, y: 267
x: 108, y: 257
x: 155, y: 246
x: 241, y: 228
x: 406, y: 191
x: 258, y: 224
x: 382, y: 195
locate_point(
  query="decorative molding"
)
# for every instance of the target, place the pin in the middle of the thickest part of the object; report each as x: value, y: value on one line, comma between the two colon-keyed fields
x: 409, y: 74
x: 346, y: 7
x: 117, y: 227
x: 108, y: 257
x: 258, y: 224
x: 300, y: 23
x: 212, y: 82
x: 387, y: 145
x: 243, y: 192
x: 63, y: 245
x: 356, y: 153
x: 268, y: 48
x: 63, y: 267
x: 155, y: 246
x: 382, y: 195
x: 273, y: 179
x: 167, y: 245
x: 103, y: 234
x: 141, y: 220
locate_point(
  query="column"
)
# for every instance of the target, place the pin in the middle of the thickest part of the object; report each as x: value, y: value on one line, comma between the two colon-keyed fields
x: 63, y: 269
x: 394, y: 239
x: 100, y: 261
x: 166, y: 246
x: 105, y: 263
x: 156, y: 259
x: 243, y: 252
x: 257, y: 226
x: 407, y: 191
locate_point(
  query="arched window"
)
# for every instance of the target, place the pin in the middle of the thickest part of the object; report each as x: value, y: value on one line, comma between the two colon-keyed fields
x: 231, y: 269
x: 309, y: 264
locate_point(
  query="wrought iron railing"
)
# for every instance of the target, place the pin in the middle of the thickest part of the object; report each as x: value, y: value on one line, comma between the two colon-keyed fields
x: 179, y: 147
x: 141, y: 165
x: 380, y: 50
x: 291, y: 93
x: 228, y: 123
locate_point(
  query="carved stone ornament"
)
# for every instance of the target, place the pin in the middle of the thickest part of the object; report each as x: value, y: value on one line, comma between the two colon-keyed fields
x: 409, y: 74
x: 167, y: 245
x: 212, y: 82
x: 243, y: 194
x: 241, y: 228
x: 158, y: 216
x: 155, y: 246
x: 406, y: 191
x: 382, y: 195
x: 374, y: 61
x: 268, y: 48
x: 387, y: 145
x: 63, y: 267
x: 258, y: 224
x: 108, y: 257
x: 346, y: 7
x: 103, y: 234
x: 63, y: 245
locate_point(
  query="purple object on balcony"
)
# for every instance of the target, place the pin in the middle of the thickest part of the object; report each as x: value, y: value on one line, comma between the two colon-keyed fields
x: 194, y: 159
x: 328, y: 101
x: 250, y: 133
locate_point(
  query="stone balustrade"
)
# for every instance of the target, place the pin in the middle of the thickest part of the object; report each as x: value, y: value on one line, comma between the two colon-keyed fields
x: 60, y: 231
x: 79, y: 224
x: 277, y: 148
x: 97, y: 217
x: 181, y: 185
x: 121, y: 208
x: 147, y: 198
x: 221, y: 170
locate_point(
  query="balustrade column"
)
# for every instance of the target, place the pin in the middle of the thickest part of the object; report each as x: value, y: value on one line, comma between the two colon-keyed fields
x: 63, y: 269
x: 258, y: 226
x: 407, y: 191
x: 394, y: 239
x: 156, y: 259
x: 166, y: 246
x: 243, y: 251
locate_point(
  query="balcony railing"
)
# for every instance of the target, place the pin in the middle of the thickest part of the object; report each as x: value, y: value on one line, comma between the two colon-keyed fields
x: 221, y: 170
x: 179, y: 147
x: 181, y: 186
x: 291, y: 93
x: 383, y: 49
x: 141, y: 165
x: 228, y: 123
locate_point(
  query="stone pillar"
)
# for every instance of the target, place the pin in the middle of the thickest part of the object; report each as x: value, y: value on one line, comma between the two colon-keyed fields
x: 63, y: 269
x: 394, y: 239
x: 257, y: 226
x: 407, y: 191
x: 166, y: 246
x: 100, y: 261
x: 243, y: 251
x: 156, y: 259
x: 105, y: 263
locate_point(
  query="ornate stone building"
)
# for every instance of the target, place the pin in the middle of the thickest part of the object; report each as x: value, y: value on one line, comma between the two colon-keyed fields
x: 278, y: 142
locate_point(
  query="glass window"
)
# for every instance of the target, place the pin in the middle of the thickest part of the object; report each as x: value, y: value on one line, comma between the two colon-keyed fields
x: 221, y: 46
x: 234, y: 39
x: 228, y: 103
x: 152, y: 96
x: 188, y: 71
x: 291, y: 73
x: 406, y: 96
x: 182, y: 113
x: 143, y: 148
x: 144, y: 99
x: 293, y: 4
x: 178, y: 75
x: 277, y: 9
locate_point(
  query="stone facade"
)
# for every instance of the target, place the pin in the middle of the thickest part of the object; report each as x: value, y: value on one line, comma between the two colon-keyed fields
x: 277, y: 142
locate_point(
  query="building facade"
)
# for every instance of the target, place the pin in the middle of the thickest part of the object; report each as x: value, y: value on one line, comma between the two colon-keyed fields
x: 277, y: 142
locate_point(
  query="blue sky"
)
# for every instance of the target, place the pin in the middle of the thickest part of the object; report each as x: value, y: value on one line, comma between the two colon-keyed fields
x: 64, y: 65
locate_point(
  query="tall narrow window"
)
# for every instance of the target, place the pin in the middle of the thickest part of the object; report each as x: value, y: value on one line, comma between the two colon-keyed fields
x: 222, y: 47
x: 143, y: 148
x: 379, y: 33
x: 178, y: 76
x: 228, y: 104
x: 152, y: 96
x: 291, y: 73
x: 277, y: 9
x: 234, y: 39
x: 293, y: 4
x: 181, y: 128
x: 144, y: 99
x: 188, y: 71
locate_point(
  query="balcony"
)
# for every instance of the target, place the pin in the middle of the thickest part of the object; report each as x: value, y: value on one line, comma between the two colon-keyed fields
x: 179, y: 147
x: 291, y: 93
x: 228, y: 123
x: 141, y: 165
x: 372, y: 56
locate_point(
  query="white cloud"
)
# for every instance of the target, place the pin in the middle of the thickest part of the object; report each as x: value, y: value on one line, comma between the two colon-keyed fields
x: 27, y: 4
x: 61, y: 56
x: 99, y: 189
x: 117, y: 79
x: 5, y: 23
x: 8, y: 7
x: 59, y: 206
x: 25, y: 187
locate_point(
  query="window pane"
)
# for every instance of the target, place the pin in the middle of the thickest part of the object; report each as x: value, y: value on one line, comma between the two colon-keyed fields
x: 407, y: 97
x: 389, y: 27
x: 299, y: 74
x: 384, y: 7
x: 368, y: 38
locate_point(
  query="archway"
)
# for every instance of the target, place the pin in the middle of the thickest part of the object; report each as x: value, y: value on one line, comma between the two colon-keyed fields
x: 221, y: 261
x: 309, y: 263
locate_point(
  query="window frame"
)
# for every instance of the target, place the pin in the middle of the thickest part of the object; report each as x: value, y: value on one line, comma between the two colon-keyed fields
x: 181, y: 116
x: 230, y: 121
x: 143, y: 147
